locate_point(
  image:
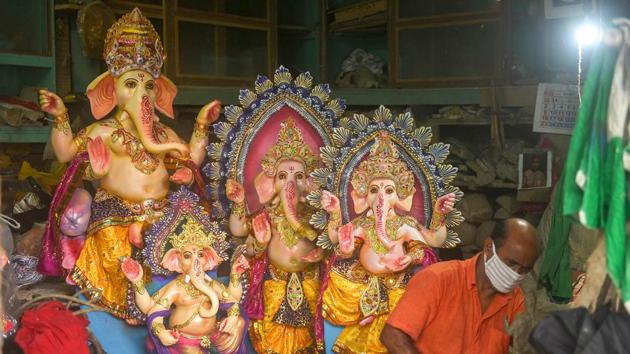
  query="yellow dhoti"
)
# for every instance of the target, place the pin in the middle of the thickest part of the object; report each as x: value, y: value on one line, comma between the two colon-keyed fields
x: 270, y: 335
x: 98, y: 265
x: 351, y: 293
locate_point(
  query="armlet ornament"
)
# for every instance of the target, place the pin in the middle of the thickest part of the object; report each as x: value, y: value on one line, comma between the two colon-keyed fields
x: 157, y: 327
x: 139, y: 287
x: 234, y: 310
x: 437, y: 221
x: 172, y: 163
x: 238, y: 209
x: 201, y: 130
x: 62, y: 123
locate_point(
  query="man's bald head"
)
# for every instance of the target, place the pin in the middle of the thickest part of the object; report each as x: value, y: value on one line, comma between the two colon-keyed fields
x: 516, y: 242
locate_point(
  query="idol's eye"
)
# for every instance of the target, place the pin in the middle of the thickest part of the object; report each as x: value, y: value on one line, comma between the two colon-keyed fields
x: 201, y: 255
x: 187, y: 255
x: 150, y: 85
x: 299, y: 175
x: 389, y: 190
x: 131, y: 84
x: 374, y: 189
x: 282, y: 175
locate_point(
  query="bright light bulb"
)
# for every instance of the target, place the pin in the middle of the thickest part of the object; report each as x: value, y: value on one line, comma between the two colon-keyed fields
x: 587, y: 34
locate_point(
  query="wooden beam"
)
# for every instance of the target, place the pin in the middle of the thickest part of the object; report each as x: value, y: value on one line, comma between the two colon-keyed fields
x: 197, y: 95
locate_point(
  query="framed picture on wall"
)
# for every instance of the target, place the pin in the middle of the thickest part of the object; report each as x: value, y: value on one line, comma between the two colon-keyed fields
x: 534, y: 169
x: 567, y: 8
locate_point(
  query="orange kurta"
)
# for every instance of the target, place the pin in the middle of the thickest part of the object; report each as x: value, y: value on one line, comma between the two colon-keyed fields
x: 441, y: 312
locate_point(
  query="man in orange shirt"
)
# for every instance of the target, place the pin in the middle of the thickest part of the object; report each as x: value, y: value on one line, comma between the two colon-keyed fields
x: 464, y: 306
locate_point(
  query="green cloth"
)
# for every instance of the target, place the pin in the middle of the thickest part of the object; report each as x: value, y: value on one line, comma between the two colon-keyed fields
x: 583, y: 186
x: 555, y: 273
x: 595, y: 184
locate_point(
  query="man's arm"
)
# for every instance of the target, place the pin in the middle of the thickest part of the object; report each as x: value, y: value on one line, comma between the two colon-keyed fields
x: 397, y: 341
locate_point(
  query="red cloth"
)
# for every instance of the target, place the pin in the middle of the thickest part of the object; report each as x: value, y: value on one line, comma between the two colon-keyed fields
x: 441, y: 312
x: 51, y: 328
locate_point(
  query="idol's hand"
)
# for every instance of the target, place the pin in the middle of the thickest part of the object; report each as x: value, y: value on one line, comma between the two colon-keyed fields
x: 330, y: 202
x: 51, y: 103
x: 445, y: 203
x: 183, y: 176
x: 346, y: 238
x: 234, y: 191
x: 131, y: 269
x: 168, y: 337
x: 314, y: 256
x: 240, y: 265
x: 262, y: 228
x: 209, y: 113
x: 395, y: 263
x: 99, y: 156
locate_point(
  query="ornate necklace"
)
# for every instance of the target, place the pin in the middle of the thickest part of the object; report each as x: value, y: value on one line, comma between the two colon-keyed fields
x: 143, y: 160
x: 392, y: 225
x: 289, y: 236
x: 189, y: 288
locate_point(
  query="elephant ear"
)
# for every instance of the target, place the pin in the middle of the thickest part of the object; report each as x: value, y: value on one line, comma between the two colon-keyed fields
x: 360, y: 202
x: 405, y: 204
x: 166, y: 92
x: 170, y: 260
x: 213, y: 259
x: 101, y: 94
x: 264, y: 187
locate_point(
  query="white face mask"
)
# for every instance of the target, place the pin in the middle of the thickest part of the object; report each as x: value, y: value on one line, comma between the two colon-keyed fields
x: 502, y: 277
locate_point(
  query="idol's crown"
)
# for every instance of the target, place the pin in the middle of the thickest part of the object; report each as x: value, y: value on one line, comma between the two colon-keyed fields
x: 133, y: 44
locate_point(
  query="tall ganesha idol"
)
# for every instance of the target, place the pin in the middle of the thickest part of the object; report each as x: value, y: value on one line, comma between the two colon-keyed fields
x: 396, y: 220
x: 130, y: 153
x: 262, y: 174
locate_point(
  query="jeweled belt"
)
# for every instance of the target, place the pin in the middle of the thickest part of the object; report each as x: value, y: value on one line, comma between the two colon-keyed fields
x: 147, y: 210
x: 311, y: 273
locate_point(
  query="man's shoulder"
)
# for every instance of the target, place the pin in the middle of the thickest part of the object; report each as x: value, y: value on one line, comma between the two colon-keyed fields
x: 447, y: 269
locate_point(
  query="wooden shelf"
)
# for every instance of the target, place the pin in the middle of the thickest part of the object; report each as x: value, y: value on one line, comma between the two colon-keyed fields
x: 477, y: 121
x: 34, y: 61
x: 197, y: 95
x: 24, y: 134
x: 294, y: 28
x: 68, y: 8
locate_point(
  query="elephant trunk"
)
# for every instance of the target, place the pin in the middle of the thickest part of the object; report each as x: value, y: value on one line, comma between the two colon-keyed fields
x: 143, y: 115
x: 289, y: 199
x: 380, y: 216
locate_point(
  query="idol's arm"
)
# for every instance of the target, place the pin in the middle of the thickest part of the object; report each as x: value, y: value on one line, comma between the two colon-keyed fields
x: 253, y: 247
x: 433, y: 238
x: 199, y: 139
x: 397, y: 341
x: 141, y: 295
x: 238, y: 222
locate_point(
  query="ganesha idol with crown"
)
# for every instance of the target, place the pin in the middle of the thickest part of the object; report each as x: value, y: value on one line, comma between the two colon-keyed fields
x: 129, y: 152
x: 260, y: 177
x: 388, y: 204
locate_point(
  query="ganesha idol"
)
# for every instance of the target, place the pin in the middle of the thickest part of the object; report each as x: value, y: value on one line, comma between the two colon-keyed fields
x: 192, y: 312
x: 131, y: 155
x: 260, y: 176
x: 387, y: 201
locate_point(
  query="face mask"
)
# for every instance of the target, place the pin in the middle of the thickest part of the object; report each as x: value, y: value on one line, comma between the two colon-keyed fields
x: 502, y: 277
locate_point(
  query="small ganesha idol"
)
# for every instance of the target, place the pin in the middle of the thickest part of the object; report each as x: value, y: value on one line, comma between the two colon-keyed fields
x: 377, y: 252
x: 192, y: 301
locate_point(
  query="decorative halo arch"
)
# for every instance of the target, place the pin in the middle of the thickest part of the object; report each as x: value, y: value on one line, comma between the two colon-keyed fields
x: 252, y: 127
x: 352, y: 141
